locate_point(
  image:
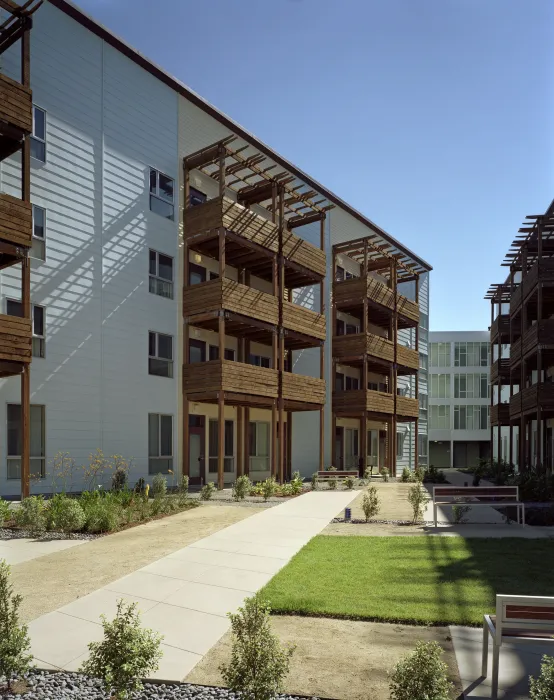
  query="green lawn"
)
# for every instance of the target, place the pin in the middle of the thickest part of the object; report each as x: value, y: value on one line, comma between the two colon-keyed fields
x: 436, y: 580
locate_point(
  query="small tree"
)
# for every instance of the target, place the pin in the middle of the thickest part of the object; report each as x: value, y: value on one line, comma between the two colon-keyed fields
x: 542, y: 688
x: 269, y: 488
x: 14, y: 640
x: 206, y: 492
x: 459, y: 512
x: 241, y: 487
x: 5, y: 512
x: 126, y: 653
x: 371, y: 505
x: 384, y: 473
x: 159, y: 486
x: 259, y: 664
x: 417, y: 497
x: 421, y: 674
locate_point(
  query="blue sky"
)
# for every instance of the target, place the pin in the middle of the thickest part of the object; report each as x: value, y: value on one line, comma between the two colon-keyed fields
x: 435, y: 118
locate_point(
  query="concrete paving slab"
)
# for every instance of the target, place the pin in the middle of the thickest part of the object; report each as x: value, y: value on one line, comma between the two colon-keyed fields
x: 59, y: 638
x: 18, y: 551
x: 239, y: 579
x: 176, y: 569
x: 186, y: 629
x: 175, y: 663
x: 202, y: 597
x: 275, y: 551
x: 249, y: 562
x: 146, y: 585
x: 103, y: 602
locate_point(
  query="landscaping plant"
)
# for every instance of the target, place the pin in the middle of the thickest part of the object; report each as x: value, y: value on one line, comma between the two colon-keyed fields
x: 384, y: 473
x: 32, y: 515
x: 418, y: 499
x: 296, y: 483
x: 542, y: 687
x: 269, y: 488
x: 407, y: 476
x: 95, y: 471
x: 14, y: 639
x: 5, y: 512
x: 159, y: 486
x: 332, y: 483
x: 241, y: 488
x: 183, y: 490
x: 65, y: 514
x: 459, y: 512
x: 259, y: 663
x: 349, y: 482
x: 62, y: 469
x: 287, y: 490
x: 140, y: 486
x: 421, y: 675
x: 206, y: 492
x: 371, y: 504
x: 119, y: 479
x: 126, y: 654
x: 314, y: 481
x: 419, y: 474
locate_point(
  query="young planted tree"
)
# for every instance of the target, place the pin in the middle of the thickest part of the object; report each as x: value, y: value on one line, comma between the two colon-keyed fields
x: 259, y: 663
x: 418, y: 499
x: 542, y: 687
x: 421, y: 675
x: 126, y: 654
x: 14, y: 640
x: 371, y: 504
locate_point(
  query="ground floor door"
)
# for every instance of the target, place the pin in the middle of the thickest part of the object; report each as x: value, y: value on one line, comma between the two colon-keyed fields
x: 339, y: 448
x: 373, y: 450
x: 351, y: 449
x: 460, y: 455
x: 382, y: 449
x: 196, y: 449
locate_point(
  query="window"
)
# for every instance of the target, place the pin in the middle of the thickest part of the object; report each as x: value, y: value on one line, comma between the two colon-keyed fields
x: 422, y: 447
x: 471, y: 386
x: 439, y: 417
x: 38, y: 248
x: 423, y: 361
x: 160, y: 354
x: 161, y: 194
x: 351, y: 448
x: 400, y: 445
x: 38, y: 441
x: 197, y: 274
x: 259, y: 361
x: 352, y: 329
x: 352, y: 383
x: 213, y: 353
x: 471, y: 417
x: 439, y: 354
x: 213, y: 446
x: 372, y: 447
x: 339, y: 273
x: 402, y: 391
x: 471, y: 354
x: 423, y: 401
x: 339, y: 381
x: 423, y: 320
x: 38, y: 138
x: 259, y: 446
x: 439, y: 386
x: 340, y: 327
x: 196, y: 197
x: 197, y: 351
x: 160, y: 443
x: 161, y: 275
x: 15, y: 308
x: 373, y: 386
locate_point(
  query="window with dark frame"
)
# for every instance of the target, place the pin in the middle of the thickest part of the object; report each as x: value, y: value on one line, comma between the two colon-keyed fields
x: 213, y: 446
x: 196, y: 197
x: 197, y: 351
x: 259, y: 361
x: 197, y: 274
x: 38, y: 137
x: 38, y: 315
x: 160, y: 354
x: 160, y: 281
x: 339, y: 381
x: 160, y: 443
x: 400, y: 445
x: 213, y: 353
x: 161, y: 194
x: 352, y: 383
x: 38, y: 247
x: 258, y: 449
x: 14, y: 441
x: 339, y: 273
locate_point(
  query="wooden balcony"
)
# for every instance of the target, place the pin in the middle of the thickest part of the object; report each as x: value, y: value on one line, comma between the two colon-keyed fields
x: 500, y: 414
x: 515, y: 301
x: 515, y: 353
x: 15, y: 344
x: 348, y: 295
x: 539, y: 335
x: 202, y: 381
x: 304, y: 321
x: 542, y: 271
x: 253, y: 232
x: 528, y: 400
x: 16, y: 116
x: 350, y: 347
x: 299, y: 389
x: 500, y: 327
x: 355, y: 402
x: 16, y: 221
x: 515, y: 405
x: 406, y: 408
x: 500, y: 370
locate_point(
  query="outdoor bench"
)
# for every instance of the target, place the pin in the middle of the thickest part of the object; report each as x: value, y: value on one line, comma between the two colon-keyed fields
x: 487, y: 495
x: 323, y: 476
x: 519, y: 619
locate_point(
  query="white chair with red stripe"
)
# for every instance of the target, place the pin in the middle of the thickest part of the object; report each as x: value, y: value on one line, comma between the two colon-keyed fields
x: 519, y: 619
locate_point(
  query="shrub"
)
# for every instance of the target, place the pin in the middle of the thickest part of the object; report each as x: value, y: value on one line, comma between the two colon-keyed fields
x: 421, y: 675
x: 542, y: 688
x: 332, y: 483
x: 140, y: 486
x: 269, y: 488
x: 241, y: 488
x: 349, y: 482
x: 65, y: 514
x: 406, y: 475
x: 258, y: 664
x: 384, y: 473
x: 207, y: 491
x: 433, y: 475
x: 287, y: 490
x: 5, y: 512
x: 119, y: 479
x: 183, y: 490
x: 314, y: 481
x: 459, y: 512
x: 32, y: 514
x: 159, y: 486
x: 368, y: 473
x: 371, y: 504
x: 332, y: 469
x: 62, y: 469
x: 418, y: 498
x: 14, y: 639
x: 297, y: 483
x: 126, y: 653
x: 419, y: 474
x: 102, y: 515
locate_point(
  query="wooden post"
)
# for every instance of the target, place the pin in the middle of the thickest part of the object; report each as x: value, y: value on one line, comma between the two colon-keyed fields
x: 289, y: 446
x: 333, y: 436
x: 281, y: 351
x: 221, y: 395
x: 394, y: 284
x: 274, y: 461
x: 416, y: 436
x: 321, y: 356
x: 538, y: 458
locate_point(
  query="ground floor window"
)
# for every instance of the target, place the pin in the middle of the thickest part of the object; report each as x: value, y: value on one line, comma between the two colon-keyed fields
x: 351, y: 448
x: 259, y: 446
x: 372, y: 448
x: 15, y: 438
x: 160, y: 443
x: 400, y: 445
x: 422, y: 447
x: 213, y: 446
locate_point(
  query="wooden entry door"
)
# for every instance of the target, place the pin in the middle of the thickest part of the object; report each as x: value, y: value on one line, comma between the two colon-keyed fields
x: 339, y: 448
x: 197, y: 450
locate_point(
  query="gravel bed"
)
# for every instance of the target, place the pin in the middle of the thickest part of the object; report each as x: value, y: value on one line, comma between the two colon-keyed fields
x: 45, y: 685
x: 361, y: 521
x: 8, y: 533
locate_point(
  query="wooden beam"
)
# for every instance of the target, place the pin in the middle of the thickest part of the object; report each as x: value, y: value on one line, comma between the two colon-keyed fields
x: 221, y: 400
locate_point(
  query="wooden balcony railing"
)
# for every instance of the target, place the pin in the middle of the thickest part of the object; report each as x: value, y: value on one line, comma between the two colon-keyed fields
x: 500, y: 414
x: 356, y: 401
x: 500, y: 369
x: 15, y: 339
x: 234, y: 377
x: 515, y: 353
x: 406, y: 357
x: 299, y: 387
x: 528, y: 400
x: 500, y: 325
x: 541, y: 271
x: 407, y: 407
x: 301, y: 320
x: 540, y: 334
x: 16, y: 104
x: 356, y: 345
x: 230, y: 296
x: 349, y: 293
x: 16, y: 221
x: 515, y: 405
x: 515, y: 301
x: 222, y: 212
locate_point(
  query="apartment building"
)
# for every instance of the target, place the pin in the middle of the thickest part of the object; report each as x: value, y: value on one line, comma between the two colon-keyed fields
x: 153, y: 250
x: 522, y: 340
x: 459, y: 398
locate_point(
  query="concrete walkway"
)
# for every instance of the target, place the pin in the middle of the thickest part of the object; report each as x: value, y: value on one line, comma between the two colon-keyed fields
x: 186, y: 595
x: 19, y: 550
